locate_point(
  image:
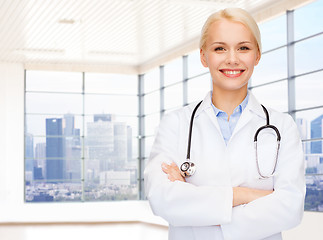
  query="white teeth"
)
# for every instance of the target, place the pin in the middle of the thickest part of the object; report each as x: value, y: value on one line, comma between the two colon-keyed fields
x: 231, y: 72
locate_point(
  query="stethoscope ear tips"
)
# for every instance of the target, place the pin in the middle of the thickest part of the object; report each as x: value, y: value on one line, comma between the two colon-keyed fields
x: 187, y: 169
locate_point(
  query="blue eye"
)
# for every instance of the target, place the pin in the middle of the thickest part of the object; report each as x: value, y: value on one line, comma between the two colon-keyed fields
x: 219, y: 49
x: 244, y: 48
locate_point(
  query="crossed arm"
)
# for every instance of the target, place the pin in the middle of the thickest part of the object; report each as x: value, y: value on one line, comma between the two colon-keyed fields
x: 241, y: 195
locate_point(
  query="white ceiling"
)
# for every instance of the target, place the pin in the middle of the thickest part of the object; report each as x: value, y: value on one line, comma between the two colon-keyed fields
x: 128, y: 36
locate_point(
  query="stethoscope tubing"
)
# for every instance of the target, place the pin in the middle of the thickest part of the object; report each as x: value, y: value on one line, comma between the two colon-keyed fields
x: 186, y: 173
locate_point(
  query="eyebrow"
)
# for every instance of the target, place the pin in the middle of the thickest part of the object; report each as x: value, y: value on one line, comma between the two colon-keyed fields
x: 223, y: 43
x: 218, y: 43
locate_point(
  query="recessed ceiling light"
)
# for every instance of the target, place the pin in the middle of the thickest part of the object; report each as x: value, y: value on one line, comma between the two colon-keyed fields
x: 66, y: 21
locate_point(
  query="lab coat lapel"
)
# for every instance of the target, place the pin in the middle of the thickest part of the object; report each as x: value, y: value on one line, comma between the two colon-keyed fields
x: 251, y: 109
x: 206, y: 108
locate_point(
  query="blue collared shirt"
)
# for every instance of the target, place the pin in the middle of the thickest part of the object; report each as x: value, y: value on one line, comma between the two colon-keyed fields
x: 226, y: 126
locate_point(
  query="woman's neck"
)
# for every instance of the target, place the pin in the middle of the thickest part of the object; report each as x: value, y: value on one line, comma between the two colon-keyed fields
x: 227, y: 101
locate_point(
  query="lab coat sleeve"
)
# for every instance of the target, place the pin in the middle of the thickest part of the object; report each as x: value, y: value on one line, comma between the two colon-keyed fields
x: 281, y: 210
x: 181, y: 203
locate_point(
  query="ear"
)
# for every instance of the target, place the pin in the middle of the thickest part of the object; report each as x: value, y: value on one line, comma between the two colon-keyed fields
x: 203, y: 58
x: 258, y: 58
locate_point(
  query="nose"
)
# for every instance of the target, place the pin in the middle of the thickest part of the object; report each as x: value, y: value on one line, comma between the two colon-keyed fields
x: 232, y: 58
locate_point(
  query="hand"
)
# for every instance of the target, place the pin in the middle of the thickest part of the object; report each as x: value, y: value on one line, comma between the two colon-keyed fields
x: 172, y: 172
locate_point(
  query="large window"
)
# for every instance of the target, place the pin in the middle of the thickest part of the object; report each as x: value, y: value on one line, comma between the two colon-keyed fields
x: 81, y: 133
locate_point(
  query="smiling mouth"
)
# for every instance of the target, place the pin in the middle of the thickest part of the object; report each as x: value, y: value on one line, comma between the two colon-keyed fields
x: 232, y: 73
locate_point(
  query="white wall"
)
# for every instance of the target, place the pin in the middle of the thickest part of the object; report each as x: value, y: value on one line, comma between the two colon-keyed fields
x: 310, y: 228
x: 12, y: 207
x: 12, y: 134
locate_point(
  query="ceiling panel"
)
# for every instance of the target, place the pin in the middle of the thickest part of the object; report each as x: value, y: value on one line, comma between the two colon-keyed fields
x: 130, y: 33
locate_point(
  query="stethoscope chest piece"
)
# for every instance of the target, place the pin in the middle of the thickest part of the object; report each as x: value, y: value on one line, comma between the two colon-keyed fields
x: 187, y: 169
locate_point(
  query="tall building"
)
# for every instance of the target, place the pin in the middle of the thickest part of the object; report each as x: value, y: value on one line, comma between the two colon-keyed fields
x: 316, y: 132
x: 129, y: 143
x: 55, y: 162
x: 109, y: 144
x: 120, y: 156
x: 100, y: 145
x: 68, y: 124
x: 303, y: 132
x: 29, y: 157
x: 72, y: 148
x: 40, y: 156
x: 103, y: 117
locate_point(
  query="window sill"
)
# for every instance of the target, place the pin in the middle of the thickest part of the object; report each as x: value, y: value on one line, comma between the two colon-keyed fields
x: 126, y: 211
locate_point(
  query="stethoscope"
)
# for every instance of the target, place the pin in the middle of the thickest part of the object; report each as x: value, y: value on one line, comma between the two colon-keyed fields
x: 188, y: 168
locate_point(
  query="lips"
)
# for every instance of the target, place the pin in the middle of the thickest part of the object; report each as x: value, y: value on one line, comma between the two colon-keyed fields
x: 232, y: 72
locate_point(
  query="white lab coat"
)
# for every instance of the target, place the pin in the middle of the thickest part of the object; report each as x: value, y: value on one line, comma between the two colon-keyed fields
x: 195, y: 209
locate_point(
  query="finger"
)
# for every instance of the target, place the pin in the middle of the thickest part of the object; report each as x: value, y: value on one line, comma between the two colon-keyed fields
x: 173, y: 164
x: 165, y: 168
x: 170, y: 177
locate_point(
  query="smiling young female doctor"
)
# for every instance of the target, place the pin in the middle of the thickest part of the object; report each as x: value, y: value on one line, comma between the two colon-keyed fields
x: 226, y: 198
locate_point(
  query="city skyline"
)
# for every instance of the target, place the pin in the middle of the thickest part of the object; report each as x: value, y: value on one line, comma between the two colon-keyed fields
x: 107, y: 158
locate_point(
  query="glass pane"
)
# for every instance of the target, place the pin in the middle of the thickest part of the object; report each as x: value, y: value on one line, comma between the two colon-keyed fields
x: 149, y: 141
x: 308, y: 20
x: 309, y: 90
x: 135, y: 154
x: 151, y: 124
x: 198, y: 87
x: 173, y: 72
x: 71, y: 124
x: 273, y: 33
x: 54, y: 81
x: 313, y: 156
x: 104, y: 120
x: 42, y: 191
x: 195, y: 66
x: 152, y: 102
x: 314, y: 193
x: 111, y: 186
x: 152, y: 80
x: 109, y: 175
x: 52, y: 158
x: 272, y: 66
x: 310, y: 123
x: 111, y: 83
x: 56, y: 103
x: 308, y: 55
x: 273, y: 95
x: 51, y: 147
x: 112, y: 143
x: 110, y: 167
x: 111, y: 104
x: 173, y: 96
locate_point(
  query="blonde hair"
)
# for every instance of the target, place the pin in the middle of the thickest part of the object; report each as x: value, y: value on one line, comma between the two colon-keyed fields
x: 232, y: 14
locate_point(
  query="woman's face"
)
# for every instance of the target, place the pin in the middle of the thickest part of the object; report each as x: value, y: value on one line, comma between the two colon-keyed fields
x: 230, y: 53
